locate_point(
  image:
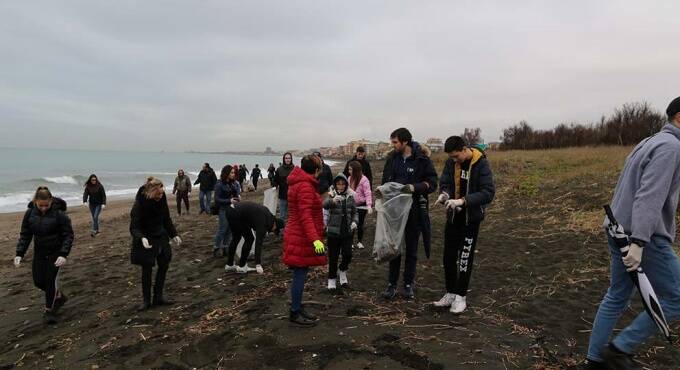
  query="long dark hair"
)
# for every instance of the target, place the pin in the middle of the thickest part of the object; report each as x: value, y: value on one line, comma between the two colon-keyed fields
x: 224, y: 175
x: 357, y: 173
x: 89, y: 185
x: 283, y: 159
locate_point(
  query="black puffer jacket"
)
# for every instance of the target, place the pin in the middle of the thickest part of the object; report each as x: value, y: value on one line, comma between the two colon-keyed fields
x: 480, y: 187
x: 96, y: 195
x: 150, y: 219
x: 51, y: 233
x: 341, y: 215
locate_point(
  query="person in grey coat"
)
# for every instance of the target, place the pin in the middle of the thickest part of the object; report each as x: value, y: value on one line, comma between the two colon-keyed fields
x: 645, y: 203
x: 342, y: 221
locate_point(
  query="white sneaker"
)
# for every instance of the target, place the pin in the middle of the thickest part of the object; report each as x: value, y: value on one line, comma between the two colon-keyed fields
x: 244, y: 270
x: 446, y: 301
x: 343, y: 278
x: 360, y: 246
x: 229, y: 268
x: 259, y: 269
x: 458, y: 305
x: 331, y: 284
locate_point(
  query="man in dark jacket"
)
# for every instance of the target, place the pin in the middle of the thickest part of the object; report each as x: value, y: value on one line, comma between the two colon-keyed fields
x: 408, y: 165
x: 360, y: 157
x: 256, y: 175
x: 246, y: 218
x: 326, y: 177
x: 206, y: 181
x: 467, y: 187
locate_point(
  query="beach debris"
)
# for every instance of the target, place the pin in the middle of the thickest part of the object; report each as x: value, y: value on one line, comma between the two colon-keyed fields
x: 23, y: 308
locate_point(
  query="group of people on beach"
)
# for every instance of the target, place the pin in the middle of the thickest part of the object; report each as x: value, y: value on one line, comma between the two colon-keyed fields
x: 319, y: 214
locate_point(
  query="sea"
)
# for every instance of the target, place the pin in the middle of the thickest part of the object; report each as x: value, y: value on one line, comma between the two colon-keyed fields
x: 64, y: 172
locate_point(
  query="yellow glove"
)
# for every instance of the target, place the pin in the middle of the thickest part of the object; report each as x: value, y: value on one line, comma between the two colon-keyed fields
x: 319, y: 248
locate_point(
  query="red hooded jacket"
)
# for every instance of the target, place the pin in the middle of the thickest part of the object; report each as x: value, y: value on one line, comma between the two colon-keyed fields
x: 305, y: 221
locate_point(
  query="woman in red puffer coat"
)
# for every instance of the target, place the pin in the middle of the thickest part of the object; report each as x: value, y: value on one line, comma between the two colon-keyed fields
x: 302, y: 245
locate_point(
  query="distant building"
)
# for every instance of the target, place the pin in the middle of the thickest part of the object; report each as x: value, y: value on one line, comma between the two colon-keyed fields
x: 435, y: 144
x: 269, y: 151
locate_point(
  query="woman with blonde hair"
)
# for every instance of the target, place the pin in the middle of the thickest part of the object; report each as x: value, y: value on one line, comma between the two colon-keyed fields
x: 50, y: 230
x: 151, y: 228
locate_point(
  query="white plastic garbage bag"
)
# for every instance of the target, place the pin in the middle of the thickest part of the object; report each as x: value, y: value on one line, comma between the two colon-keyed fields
x: 393, y: 210
x: 270, y: 199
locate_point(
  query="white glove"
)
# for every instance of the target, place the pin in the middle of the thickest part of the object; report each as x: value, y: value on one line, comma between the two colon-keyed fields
x: 370, y: 211
x: 337, y: 198
x: 443, y: 197
x: 177, y: 240
x: 634, y: 257
x: 145, y: 243
x: 17, y: 261
x: 353, y: 226
x: 61, y: 261
x: 453, y: 203
x: 103, y: 206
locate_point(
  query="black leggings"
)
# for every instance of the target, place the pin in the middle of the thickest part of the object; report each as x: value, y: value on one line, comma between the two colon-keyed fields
x: 163, y: 264
x: 459, y: 252
x: 182, y: 196
x: 337, y: 247
x: 360, y: 225
x: 46, y: 278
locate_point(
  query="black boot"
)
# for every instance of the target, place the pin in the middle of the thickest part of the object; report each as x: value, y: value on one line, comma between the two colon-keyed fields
x: 146, y: 289
x: 59, y: 302
x: 616, y: 359
x: 158, y: 299
x: 50, y: 318
x: 307, y: 315
x: 299, y: 320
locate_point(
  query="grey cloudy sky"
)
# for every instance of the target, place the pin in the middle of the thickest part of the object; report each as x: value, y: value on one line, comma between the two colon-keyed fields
x: 219, y: 75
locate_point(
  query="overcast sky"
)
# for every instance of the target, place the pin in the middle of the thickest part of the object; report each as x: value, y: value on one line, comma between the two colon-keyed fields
x: 242, y: 75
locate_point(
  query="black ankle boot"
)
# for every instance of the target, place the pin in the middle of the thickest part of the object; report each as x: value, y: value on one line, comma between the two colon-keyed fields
x: 299, y: 320
x: 307, y: 315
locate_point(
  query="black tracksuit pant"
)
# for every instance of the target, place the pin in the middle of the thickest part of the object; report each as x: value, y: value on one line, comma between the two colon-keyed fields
x: 163, y: 263
x: 46, y: 278
x: 339, y: 246
x: 459, y: 252
x: 360, y: 226
x: 182, y: 196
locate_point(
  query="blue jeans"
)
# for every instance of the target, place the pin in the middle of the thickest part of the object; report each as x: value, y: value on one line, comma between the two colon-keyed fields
x: 283, y: 210
x: 95, y: 210
x: 223, y: 235
x: 204, y: 199
x: 662, y: 267
x: 297, y: 287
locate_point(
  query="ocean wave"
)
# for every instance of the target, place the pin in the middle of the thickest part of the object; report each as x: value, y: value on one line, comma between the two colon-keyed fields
x: 72, y: 180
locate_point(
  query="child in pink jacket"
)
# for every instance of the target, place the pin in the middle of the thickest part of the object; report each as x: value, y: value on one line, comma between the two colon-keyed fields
x: 363, y: 197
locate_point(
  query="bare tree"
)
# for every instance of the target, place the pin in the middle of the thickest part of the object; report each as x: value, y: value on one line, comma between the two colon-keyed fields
x: 472, y: 136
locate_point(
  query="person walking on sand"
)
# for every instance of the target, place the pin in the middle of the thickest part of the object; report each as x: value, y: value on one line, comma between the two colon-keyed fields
x: 245, y: 218
x: 363, y: 197
x: 182, y: 190
x: 271, y: 172
x: 342, y: 221
x: 206, y: 181
x: 645, y: 202
x: 50, y: 230
x: 408, y: 165
x: 360, y: 156
x: 467, y: 187
x: 151, y: 229
x: 95, y: 196
x: 302, y: 245
x: 242, y: 174
x: 281, y: 182
x: 256, y: 175
x: 227, y: 193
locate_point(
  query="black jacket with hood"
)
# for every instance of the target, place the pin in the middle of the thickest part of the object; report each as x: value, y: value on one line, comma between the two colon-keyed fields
x: 341, y: 214
x: 150, y: 219
x: 51, y: 233
x: 419, y: 171
x: 480, y: 187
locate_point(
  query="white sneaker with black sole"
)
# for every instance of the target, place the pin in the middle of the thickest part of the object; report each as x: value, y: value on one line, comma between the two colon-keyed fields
x: 342, y: 275
x: 446, y: 301
x: 459, y: 305
x: 229, y: 268
x: 244, y: 270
